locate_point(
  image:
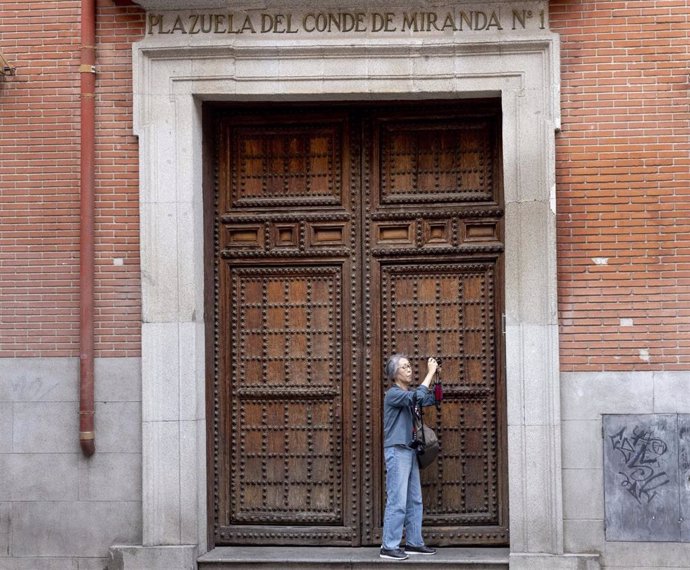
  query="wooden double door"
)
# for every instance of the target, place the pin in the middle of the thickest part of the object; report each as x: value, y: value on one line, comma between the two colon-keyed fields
x: 340, y: 235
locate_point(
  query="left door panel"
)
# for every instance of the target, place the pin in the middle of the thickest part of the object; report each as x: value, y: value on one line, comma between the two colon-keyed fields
x: 284, y: 467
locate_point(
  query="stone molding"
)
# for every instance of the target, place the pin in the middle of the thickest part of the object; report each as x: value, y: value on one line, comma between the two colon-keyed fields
x: 171, y: 82
x: 204, y: 5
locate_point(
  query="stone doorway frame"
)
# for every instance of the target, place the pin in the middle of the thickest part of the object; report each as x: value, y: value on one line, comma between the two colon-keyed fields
x: 170, y: 84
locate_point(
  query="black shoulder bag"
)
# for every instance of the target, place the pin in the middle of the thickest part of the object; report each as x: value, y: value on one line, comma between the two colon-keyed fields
x: 424, y: 439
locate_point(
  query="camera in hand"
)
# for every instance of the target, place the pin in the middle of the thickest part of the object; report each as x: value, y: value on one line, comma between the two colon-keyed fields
x: 438, y: 387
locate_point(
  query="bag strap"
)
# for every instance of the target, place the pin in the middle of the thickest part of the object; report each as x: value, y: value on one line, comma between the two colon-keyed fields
x: 417, y: 416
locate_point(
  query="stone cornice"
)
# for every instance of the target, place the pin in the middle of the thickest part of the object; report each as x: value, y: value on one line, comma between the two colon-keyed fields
x: 201, y: 5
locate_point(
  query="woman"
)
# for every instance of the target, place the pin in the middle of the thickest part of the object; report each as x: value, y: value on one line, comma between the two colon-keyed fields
x: 403, y: 486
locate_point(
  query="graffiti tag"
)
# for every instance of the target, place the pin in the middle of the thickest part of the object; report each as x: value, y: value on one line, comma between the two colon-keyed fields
x: 643, y: 472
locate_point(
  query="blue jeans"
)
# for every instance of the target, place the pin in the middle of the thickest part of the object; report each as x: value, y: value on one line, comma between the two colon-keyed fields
x: 404, y: 498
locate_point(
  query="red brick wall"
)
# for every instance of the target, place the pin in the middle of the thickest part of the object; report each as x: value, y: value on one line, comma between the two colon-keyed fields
x: 623, y: 184
x: 622, y: 174
x: 39, y: 181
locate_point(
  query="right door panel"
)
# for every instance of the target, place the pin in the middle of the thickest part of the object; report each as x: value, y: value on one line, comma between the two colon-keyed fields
x: 433, y: 249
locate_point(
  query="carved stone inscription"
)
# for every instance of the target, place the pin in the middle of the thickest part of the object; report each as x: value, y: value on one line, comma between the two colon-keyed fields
x: 481, y: 18
x: 646, y: 477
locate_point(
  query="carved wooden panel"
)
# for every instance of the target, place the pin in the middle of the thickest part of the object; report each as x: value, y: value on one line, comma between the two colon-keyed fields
x: 290, y: 164
x: 286, y: 235
x: 286, y: 407
x: 245, y: 236
x: 436, y: 160
x: 480, y: 231
x: 448, y: 311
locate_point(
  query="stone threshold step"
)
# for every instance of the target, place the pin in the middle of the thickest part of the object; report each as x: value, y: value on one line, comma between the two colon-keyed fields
x: 343, y: 558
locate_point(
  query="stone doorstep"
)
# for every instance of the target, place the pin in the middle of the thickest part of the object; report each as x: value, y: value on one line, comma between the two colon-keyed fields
x: 335, y: 558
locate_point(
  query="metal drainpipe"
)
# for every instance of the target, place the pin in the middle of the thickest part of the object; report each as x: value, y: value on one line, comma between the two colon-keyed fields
x: 87, y: 72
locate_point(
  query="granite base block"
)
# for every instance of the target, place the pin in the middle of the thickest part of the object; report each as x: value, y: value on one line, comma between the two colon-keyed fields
x: 152, y: 557
x: 554, y: 562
